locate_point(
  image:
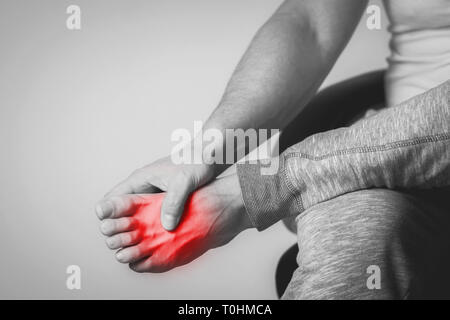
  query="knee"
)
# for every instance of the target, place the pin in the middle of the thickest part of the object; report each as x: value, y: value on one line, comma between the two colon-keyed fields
x: 373, y: 215
x: 341, y: 238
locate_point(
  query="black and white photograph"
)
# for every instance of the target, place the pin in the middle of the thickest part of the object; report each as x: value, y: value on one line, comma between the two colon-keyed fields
x: 225, y: 157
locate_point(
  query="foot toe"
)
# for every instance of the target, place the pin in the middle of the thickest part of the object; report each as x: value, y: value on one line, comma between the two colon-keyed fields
x: 110, y: 227
x: 150, y: 264
x: 141, y: 265
x: 124, y: 239
x: 131, y: 254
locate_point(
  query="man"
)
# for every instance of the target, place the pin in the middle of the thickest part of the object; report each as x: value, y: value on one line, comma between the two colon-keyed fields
x: 339, y: 184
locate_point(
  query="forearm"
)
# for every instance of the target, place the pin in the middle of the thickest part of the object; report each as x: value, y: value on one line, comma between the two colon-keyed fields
x: 285, y: 64
x: 281, y: 69
x: 407, y: 146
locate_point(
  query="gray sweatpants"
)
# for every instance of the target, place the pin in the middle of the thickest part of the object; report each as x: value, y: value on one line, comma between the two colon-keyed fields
x: 370, y: 202
x: 374, y: 244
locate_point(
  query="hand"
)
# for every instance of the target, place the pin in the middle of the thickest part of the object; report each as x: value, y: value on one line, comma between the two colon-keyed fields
x: 178, y: 181
x: 214, y: 215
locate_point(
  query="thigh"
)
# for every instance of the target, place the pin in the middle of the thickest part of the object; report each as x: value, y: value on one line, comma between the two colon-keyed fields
x: 345, y: 242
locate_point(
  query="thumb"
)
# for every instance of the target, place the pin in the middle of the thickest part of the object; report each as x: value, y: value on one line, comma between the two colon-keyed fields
x: 173, y: 204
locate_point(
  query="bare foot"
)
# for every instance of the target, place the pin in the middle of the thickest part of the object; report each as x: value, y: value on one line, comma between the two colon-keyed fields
x: 213, y: 216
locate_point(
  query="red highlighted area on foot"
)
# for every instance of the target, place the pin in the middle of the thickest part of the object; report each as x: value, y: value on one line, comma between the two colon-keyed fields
x: 171, y: 248
x: 133, y: 224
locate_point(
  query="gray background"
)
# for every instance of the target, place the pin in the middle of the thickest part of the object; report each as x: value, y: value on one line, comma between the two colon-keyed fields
x: 79, y: 110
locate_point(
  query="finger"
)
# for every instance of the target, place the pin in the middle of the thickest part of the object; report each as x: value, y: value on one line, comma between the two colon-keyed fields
x: 111, y: 227
x: 133, y: 253
x: 118, y: 206
x: 135, y: 183
x: 173, y: 204
x: 124, y: 239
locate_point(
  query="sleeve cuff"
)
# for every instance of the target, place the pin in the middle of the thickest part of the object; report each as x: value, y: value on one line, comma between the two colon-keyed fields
x: 268, y: 198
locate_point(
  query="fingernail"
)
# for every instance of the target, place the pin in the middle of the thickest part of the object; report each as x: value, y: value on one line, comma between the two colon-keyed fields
x: 169, y: 222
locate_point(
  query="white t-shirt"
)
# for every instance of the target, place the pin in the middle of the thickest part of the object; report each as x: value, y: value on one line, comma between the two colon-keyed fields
x: 420, y: 47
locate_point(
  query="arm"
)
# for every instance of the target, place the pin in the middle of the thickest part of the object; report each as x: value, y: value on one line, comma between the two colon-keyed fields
x: 286, y: 63
x: 281, y: 70
x: 406, y: 146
